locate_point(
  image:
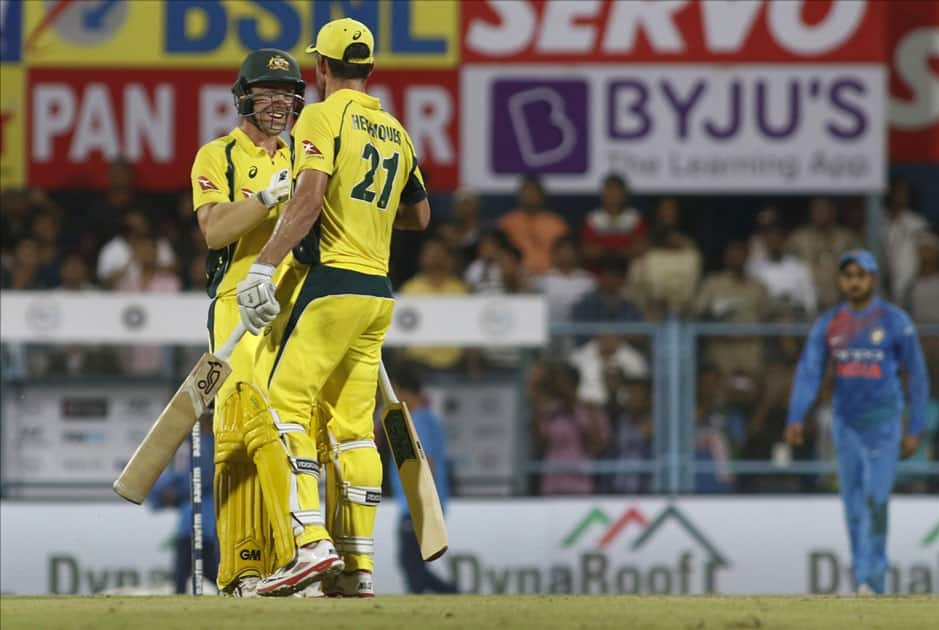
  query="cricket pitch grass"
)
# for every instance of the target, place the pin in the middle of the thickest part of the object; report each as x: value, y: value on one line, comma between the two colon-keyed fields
x: 504, y: 612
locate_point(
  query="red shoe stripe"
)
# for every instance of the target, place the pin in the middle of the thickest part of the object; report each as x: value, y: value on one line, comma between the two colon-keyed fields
x: 297, y: 577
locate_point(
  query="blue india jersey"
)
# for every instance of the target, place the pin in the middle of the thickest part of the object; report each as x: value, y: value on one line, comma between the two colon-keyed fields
x: 867, y: 350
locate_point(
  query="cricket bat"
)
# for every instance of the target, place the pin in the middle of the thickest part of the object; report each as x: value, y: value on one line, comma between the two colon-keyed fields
x: 174, y: 425
x: 414, y: 470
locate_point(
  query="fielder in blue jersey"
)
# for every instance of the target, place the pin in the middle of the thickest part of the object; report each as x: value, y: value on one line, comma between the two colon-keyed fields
x: 867, y: 340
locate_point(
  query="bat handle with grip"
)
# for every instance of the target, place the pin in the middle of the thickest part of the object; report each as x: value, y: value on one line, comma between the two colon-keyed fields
x: 387, y: 392
x: 233, y: 340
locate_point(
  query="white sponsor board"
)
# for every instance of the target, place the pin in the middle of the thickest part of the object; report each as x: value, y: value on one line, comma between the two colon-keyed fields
x: 676, y: 128
x: 51, y: 316
x: 74, y: 433
x: 612, y: 545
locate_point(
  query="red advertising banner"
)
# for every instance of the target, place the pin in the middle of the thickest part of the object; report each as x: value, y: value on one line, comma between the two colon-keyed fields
x: 78, y: 119
x: 913, y: 32
x: 713, y: 31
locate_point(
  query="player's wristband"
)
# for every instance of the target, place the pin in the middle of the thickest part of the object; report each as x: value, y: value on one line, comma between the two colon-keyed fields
x: 267, y: 200
x: 260, y: 269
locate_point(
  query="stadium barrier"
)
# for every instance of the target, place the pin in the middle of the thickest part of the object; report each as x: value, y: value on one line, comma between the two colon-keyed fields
x: 66, y: 436
x: 688, y: 545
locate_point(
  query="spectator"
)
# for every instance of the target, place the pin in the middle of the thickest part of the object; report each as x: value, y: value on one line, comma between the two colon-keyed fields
x: 713, y: 426
x: 74, y: 274
x: 606, y: 303
x: 430, y: 430
x: 513, y: 280
x: 462, y: 232
x: 596, y: 358
x: 435, y: 277
x: 765, y: 425
x: 144, y: 273
x: 116, y: 258
x: 146, y: 276
x: 924, y: 295
x: 731, y: 296
x: 615, y: 228
x: 26, y: 272
x: 787, y: 278
x: 47, y: 231
x: 532, y: 228
x: 512, y: 271
x: 629, y: 407
x: 570, y: 432
x: 483, y: 275
x: 765, y: 218
x: 902, y: 228
x: 566, y: 283
x: 172, y: 490
x: 120, y: 197
x: 196, y: 278
x: 14, y: 220
x: 819, y: 245
x: 666, y: 275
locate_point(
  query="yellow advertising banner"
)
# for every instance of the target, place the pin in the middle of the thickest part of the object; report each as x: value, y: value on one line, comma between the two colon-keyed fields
x: 12, y: 125
x: 219, y: 33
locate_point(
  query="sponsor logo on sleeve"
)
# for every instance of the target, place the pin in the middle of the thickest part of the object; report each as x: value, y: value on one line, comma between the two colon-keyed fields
x: 310, y: 149
x: 205, y: 183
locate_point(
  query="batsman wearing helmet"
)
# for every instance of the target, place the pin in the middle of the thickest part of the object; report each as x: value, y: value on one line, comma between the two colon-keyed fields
x: 356, y: 178
x: 239, y: 184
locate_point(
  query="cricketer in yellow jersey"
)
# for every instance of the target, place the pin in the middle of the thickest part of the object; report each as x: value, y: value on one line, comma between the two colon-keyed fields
x: 356, y: 178
x: 239, y: 184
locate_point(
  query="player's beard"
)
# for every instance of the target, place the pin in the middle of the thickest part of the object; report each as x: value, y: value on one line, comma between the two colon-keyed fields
x: 859, y: 295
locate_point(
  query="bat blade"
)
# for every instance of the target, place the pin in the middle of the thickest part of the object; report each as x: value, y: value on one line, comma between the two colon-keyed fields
x: 171, y: 428
x: 417, y: 481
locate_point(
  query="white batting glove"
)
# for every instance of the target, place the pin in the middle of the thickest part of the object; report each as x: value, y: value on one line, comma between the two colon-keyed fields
x: 278, y: 190
x: 256, y: 300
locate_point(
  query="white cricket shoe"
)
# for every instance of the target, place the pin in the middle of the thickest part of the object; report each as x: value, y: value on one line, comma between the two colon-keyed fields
x: 243, y: 587
x: 312, y: 591
x: 864, y: 590
x: 351, y: 584
x: 311, y: 564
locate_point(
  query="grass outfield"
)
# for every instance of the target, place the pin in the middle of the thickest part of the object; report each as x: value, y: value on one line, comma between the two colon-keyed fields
x: 499, y: 612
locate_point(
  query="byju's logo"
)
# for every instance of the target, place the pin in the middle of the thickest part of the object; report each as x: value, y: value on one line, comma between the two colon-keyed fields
x: 634, y: 520
x: 539, y: 126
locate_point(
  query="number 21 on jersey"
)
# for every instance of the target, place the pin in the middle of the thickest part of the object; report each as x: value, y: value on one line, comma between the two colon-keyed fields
x: 365, y: 189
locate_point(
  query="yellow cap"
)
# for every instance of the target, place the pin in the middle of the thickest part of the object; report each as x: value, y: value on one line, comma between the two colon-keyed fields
x: 336, y: 36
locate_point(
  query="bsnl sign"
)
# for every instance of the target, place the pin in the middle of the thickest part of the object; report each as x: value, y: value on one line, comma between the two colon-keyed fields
x: 217, y: 33
x: 218, y: 23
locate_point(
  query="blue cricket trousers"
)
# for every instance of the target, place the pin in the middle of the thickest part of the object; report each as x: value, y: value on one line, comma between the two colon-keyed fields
x: 867, y: 461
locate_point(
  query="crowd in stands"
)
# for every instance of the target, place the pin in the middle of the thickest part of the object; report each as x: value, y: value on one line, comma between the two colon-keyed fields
x: 589, y: 398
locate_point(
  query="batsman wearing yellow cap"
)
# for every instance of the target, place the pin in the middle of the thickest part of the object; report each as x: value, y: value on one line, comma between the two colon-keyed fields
x: 356, y: 178
x: 239, y: 184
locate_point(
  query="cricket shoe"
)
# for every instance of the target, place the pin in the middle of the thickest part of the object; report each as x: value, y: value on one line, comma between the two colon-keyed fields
x: 864, y: 590
x: 311, y: 563
x: 351, y: 584
x: 243, y: 587
x: 312, y: 591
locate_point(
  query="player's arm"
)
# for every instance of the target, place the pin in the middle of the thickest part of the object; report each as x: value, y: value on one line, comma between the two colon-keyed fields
x: 221, y: 220
x: 414, y: 208
x: 222, y: 223
x: 298, y: 217
x: 808, y: 379
x: 911, y: 357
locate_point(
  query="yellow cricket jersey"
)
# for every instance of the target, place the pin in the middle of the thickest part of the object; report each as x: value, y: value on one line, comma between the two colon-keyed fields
x: 372, y: 167
x: 228, y: 169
